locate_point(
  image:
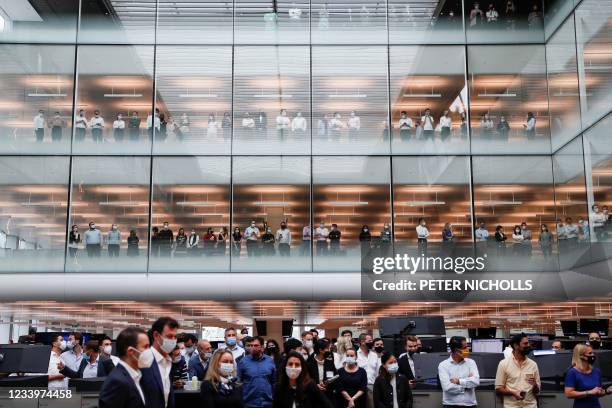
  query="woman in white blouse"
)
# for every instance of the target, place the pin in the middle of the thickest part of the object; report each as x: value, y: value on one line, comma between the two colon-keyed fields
x: 445, y: 126
x: 530, y: 126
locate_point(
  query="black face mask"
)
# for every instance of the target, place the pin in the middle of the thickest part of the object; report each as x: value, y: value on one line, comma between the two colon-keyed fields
x: 379, y: 349
x: 411, y: 353
x: 595, y: 344
x: 369, y: 345
x: 526, y: 351
x: 591, y: 359
x: 327, y: 354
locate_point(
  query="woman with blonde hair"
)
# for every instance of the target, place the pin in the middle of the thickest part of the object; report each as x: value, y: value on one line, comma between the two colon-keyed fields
x: 219, y: 388
x: 344, y: 343
x: 583, y: 381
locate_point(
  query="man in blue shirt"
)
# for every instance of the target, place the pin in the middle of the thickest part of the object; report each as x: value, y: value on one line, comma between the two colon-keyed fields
x: 257, y: 372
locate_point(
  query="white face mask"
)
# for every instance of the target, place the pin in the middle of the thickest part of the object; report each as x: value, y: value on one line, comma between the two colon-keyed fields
x: 177, y: 359
x: 226, y: 369
x: 70, y: 345
x: 62, y: 345
x: 145, y: 359
x: 108, y: 349
x: 168, y: 345
x: 293, y: 373
x: 308, y: 344
x: 350, y: 360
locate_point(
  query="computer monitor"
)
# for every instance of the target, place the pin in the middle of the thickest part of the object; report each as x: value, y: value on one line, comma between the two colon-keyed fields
x: 594, y: 326
x: 569, y: 327
x: 482, y: 333
x: 487, y: 346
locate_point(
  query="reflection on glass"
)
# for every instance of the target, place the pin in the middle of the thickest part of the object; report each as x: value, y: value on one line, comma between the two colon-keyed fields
x: 508, y: 104
x: 114, y: 100
x: 349, y: 193
x: 563, y: 96
x: 555, y: 12
x: 191, y: 195
x: 350, y: 100
x: 357, y: 22
x: 593, y: 20
x: 36, y: 85
x: 117, y: 22
x: 271, y: 100
x: 33, y: 197
x: 507, y: 21
x: 425, y: 22
x: 571, y: 204
x: 433, y: 192
x: 431, y: 78
x: 271, y: 22
x: 513, y: 199
x: 110, y: 206
x: 194, y: 86
x: 194, y: 22
x: 24, y: 21
x: 271, y: 214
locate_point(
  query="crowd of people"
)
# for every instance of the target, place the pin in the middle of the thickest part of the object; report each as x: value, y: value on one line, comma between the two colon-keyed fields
x: 310, y: 371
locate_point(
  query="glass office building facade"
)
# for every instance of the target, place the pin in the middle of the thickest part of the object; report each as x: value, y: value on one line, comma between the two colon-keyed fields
x: 209, y: 115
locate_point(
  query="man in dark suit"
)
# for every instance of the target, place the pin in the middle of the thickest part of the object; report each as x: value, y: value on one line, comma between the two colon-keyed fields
x: 156, y: 380
x: 198, y: 364
x: 122, y: 389
x: 405, y: 362
x: 92, y: 364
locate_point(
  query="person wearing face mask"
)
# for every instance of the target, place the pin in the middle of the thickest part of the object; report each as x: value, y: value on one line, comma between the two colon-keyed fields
x: 93, y: 241
x: 267, y: 242
x: 334, y: 240
x: 73, y: 355
x: 97, y: 127
x: 283, y: 237
x: 517, y: 241
x: 156, y: 380
x: 365, y: 348
x: 220, y: 388
x: 80, y: 126
x: 231, y: 343
x: 57, y: 125
x: 365, y: 240
x: 165, y: 239
x: 106, y: 348
x: 134, y: 127
x: 132, y: 244
x: 422, y: 235
x: 189, y: 342
x: 113, y: 241
x: 446, y: 123
x: 39, y: 126
x: 503, y: 129
x: 180, y: 249
x: 251, y: 234
x: 295, y: 387
x: 385, y: 240
x: 257, y: 373
x: 306, y: 241
x: 236, y: 242
x: 518, y: 379
x: 179, y: 372
x: 427, y: 122
x: 321, y: 235
x: 92, y: 366
x: 119, y: 128
x: 199, y: 363
x: 298, y: 125
x: 352, y: 385
x: 406, y: 360
x: 282, y: 125
x: 595, y: 340
x: 74, y: 239
x: 526, y: 232
x: 354, y: 125
x: 458, y: 376
x: 122, y: 388
x: 583, y: 381
x: 307, y: 342
x: 373, y: 367
x: 273, y: 350
x: 321, y: 367
x: 56, y: 379
x: 391, y: 389
x: 405, y: 125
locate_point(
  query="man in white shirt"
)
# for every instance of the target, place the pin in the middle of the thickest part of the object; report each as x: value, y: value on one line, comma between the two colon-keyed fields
x: 56, y: 380
x: 458, y: 376
x: 335, y: 126
x: 73, y: 356
x: 122, y: 387
x: 106, y: 348
x: 248, y: 124
x: 282, y: 125
x: 80, y: 125
x: 164, y: 333
x: 321, y: 234
x: 97, y: 126
x: 153, y: 122
x: 231, y: 344
x: 422, y: 235
x: 119, y: 128
x: 373, y: 367
x: 298, y: 124
x: 428, y: 125
x: 283, y: 237
x: 354, y: 124
x: 446, y: 124
x: 598, y: 221
x: 39, y: 126
x: 405, y: 125
x: 365, y: 349
x: 251, y: 234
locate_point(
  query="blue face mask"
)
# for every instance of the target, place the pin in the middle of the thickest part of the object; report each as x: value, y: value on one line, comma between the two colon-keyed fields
x: 231, y: 341
x: 393, y: 368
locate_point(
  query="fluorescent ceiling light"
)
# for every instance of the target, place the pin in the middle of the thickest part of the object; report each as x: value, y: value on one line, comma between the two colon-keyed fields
x: 124, y: 203
x: 272, y: 203
x: 357, y: 95
x: 413, y: 95
x: 46, y: 95
x: 45, y: 203
x: 347, y: 203
x: 198, y: 95
x: 497, y: 202
x: 417, y: 203
x: 128, y: 95
x: 196, y: 203
x: 285, y: 96
x: 497, y: 95
x: 570, y: 94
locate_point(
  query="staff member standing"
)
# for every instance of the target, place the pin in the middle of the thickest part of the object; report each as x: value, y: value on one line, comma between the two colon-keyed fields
x: 583, y: 381
x: 458, y: 376
x: 518, y: 378
x: 156, y: 381
x: 295, y: 388
x: 122, y: 388
x: 391, y: 389
x: 257, y: 372
x: 219, y: 388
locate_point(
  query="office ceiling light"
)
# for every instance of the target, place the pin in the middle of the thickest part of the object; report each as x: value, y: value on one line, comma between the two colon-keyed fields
x: 272, y: 203
x: 422, y: 95
x: 419, y: 203
x: 348, y: 96
x: 506, y: 94
x: 196, y: 203
x: 198, y: 95
x: 273, y: 96
x: 347, y: 203
x: 46, y: 95
x: 497, y: 202
x: 124, y: 203
x: 122, y: 95
x: 46, y: 204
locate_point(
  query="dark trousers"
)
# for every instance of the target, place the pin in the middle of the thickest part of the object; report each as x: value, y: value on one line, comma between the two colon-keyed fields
x: 428, y: 134
x: 96, y: 134
x: 79, y: 134
x: 321, y: 247
x: 119, y: 135
x: 251, y: 247
x: 405, y: 134
x: 422, y: 246
x: 134, y: 134
x: 40, y: 134
x: 445, y: 133
x: 56, y: 133
x: 113, y: 250
x: 93, y: 250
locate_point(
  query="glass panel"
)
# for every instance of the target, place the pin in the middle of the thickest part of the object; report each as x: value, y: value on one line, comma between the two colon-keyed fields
x: 508, y: 21
x: 355, y: 22
x: 563, y: 96
x: 598, y: 164
x: 428, y: 78
x: 270, y: 191
x: 191, y: 194
x: 510, y: 191
x: 24, y: 21
x: 36, y: 106
x: 571, y: 203
x: 594, y: 39
x: 426, y: 22
x: 118, y: 22
x: 350, y: 100
x: 33, y: 213
x: 194, y: 22
x: 113, y: 81
x: 555, y: 11
x: 349, y: 193
x: 435, y: 190
x: 509, y: 83
x: 271, y: 100
x: 271, y: 22
x: 107, y: 192
x: 194, y: 86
